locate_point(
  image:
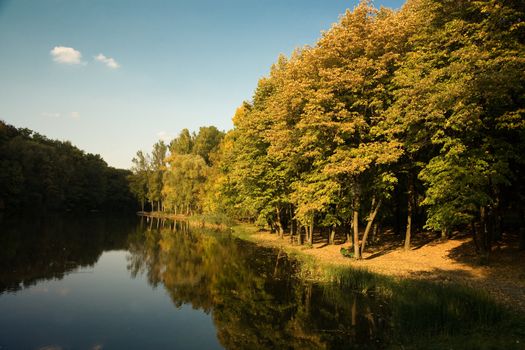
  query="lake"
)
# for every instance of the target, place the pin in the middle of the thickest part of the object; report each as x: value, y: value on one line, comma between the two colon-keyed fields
x: 97, y: 282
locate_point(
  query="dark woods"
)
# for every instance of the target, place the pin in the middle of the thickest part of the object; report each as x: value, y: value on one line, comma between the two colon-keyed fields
x: 37, y: 174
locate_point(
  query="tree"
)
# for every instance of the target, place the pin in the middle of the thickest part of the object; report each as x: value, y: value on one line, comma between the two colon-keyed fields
x: 183, y: 144
x: 184, y: 183
x: 37, y: 173
x: 206, y: 142
x: 460, y: 89
x: 138, y: 180
x: 157, y: 169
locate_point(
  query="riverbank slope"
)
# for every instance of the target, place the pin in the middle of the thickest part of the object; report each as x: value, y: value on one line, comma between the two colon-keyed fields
x: 453, y: 261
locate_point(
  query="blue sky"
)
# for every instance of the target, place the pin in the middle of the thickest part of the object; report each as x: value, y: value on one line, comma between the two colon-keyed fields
x: 114, y: 76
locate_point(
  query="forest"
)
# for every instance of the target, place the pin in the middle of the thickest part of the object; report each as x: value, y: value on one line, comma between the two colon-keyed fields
x: 411, y: 119
x: 38, y: 174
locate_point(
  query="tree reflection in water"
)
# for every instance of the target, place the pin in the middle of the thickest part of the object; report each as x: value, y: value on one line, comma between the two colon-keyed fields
x: 45, y: 247
x: 252, y: 293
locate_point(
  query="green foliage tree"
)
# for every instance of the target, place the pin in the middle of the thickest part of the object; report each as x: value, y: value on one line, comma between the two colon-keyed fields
x: 184, y: 183
x: 37, y: 173
x: 416, y: 113
x: 183, y: 144
x: 460, y: 99
x: 206, y: 142
x: 156, y: 175
x: 138, y: 180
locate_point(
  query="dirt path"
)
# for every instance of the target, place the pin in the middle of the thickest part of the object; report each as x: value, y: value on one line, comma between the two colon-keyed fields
x: 454, y: 260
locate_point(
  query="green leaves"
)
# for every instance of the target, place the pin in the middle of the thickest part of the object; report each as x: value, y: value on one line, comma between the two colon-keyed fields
x: 184, y: 182
x: 421, y: 106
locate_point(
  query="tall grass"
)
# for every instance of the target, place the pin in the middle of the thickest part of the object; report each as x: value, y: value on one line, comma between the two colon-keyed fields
x: 421, y: 314
x: 217, y: 219
x: 453, y: 316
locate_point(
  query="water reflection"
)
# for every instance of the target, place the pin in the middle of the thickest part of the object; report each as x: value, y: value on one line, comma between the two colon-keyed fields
x: 47, y: 247
x: 62, y: 285
x: 251, y: 292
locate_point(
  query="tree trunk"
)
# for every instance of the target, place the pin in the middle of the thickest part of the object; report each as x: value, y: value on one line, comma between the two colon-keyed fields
x: 331, y: 238
x: 374, y: 209
x: 311, y: 237
x: 142, y: 205
x: 291, y: 223
x: 306, y: 233
x: 293, y: 230
x: 355, y: 222
x: 444, y: 234
x: 350, y: 235
x: 278, y: 222
x: 484, y: 236
x: 375, y: 229
x: 408, y: 232
x: 410, y: 211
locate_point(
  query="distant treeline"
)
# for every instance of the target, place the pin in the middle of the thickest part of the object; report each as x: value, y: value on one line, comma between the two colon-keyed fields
x: 412, y: 119
x: 37, y: 173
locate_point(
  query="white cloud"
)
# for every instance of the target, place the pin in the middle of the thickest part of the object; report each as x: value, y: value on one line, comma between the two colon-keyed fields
x: 51, y: 114
x: 72, y: 115
x: 164, y: 136
x: 66, y: 55
x: 108, y: 61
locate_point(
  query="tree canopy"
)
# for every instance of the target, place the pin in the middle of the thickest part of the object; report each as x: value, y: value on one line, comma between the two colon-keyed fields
x: 37, y: 173
x: 415, y: 113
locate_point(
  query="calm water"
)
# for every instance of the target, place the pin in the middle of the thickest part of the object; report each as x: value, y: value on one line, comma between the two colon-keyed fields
x: 108, y: 283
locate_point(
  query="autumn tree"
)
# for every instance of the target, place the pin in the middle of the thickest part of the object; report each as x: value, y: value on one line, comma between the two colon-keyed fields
x: 184, y: 183
x: 460, y: 98
x: 155, y: 179
x: 138, y: 180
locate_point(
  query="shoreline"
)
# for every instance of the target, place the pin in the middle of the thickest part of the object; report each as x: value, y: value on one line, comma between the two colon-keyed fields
x: 451, y: 262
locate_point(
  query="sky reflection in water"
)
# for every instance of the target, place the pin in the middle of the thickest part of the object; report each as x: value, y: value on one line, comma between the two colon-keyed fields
x: 97, y: 283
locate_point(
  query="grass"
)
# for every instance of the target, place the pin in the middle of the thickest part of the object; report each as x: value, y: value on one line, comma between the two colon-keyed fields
x: 432, y: 315
x: 214, y: 219
x: 218, y: 221
x: 423, y: 314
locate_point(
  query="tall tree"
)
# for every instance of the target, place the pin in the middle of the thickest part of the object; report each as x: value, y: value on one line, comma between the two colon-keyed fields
x: 461, y: 96
x: 206, y: 142
x: 184, y: 183
x: 157, y: 168
x: 183, y: 144
x: 138, y: 180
